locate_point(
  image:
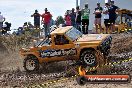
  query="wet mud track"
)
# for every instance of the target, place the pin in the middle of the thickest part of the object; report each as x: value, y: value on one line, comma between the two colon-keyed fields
x: 121, y: 49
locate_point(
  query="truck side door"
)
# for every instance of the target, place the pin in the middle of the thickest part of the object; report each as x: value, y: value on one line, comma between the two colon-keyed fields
x: 66, y: 47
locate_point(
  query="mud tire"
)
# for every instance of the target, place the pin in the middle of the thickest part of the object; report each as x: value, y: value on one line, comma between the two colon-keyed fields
x: 35, y: 63
x: 88, y: 56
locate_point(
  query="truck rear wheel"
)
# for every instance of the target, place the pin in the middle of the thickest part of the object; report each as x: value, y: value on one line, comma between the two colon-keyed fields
x: 88, y: 57
x: 31, y: 64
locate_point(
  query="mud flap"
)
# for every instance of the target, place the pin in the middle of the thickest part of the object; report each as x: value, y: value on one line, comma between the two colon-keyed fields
x: 102, y: 61
x: 70, y: 69
x: 100, y: 58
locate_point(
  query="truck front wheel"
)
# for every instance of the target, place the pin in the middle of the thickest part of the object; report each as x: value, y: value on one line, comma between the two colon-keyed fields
x: 31, y: 64
x: 88, y: 57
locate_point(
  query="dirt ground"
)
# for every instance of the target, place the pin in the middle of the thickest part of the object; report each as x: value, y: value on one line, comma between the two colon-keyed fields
x: 13, y: 75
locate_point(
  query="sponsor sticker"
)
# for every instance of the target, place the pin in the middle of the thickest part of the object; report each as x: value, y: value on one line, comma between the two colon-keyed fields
x: 59, y: 52
x: 108, y: 78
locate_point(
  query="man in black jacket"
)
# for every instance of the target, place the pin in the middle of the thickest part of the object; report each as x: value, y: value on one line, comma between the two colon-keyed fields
x: 78, y: 18
x: 112, y: 15
x: 36, y: 16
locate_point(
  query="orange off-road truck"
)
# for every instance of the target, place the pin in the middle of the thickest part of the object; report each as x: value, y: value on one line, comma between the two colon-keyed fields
x: 67, y: 43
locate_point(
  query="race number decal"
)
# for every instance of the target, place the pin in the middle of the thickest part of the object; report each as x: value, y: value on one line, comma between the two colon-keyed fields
x: 62, y: 52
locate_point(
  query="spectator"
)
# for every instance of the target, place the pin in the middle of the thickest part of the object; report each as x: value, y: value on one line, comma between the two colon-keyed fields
x: 97, y: 22
x: 67, y: 18
x: 25, y: 26
x: 112, y: 15
x: 46, y: 18
x: 6, y: 28
x: 30, y: 26
x: 19, y: 31
x: 73, y: 16
x: 85, y: 19
x: 129, y: 20
x: 78, y: 18
x: 2, y: 19
x: 106, y: 17
x: 36, y: 16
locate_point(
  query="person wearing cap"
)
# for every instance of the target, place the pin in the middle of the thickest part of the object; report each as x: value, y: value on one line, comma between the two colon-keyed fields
x: 36, y: 16
x: 46, y: 18
x: 106, y: 17
x: 73, y: 16
x: 112, y: 15
x: 97, y: 22
x: 85, y: 19
x: 2, y: 19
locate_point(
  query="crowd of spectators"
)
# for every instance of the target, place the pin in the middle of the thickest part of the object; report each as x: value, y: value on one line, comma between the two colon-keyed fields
x: 109, y: 17
x: 78, y: 18
x: 46, y: 21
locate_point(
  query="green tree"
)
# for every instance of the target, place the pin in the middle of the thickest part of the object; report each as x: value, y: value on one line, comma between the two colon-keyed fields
x: 59, y: 20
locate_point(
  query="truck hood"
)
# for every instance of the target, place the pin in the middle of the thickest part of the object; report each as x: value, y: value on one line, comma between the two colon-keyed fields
x: 92, y: 37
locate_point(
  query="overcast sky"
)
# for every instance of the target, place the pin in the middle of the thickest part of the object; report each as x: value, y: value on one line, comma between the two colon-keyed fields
x: 19, y: 11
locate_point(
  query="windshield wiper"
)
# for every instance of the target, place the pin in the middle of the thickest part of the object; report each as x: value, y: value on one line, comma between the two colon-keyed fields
x: 42, y: 42
x: 39, y: 44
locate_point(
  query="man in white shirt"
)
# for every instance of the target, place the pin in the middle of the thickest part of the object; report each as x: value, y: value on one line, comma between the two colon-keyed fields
x: 106, y: 17
x: 2, y: 19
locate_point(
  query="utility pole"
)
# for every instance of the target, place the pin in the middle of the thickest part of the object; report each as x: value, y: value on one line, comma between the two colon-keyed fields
x: 107, y: 1
x: 76, y: 3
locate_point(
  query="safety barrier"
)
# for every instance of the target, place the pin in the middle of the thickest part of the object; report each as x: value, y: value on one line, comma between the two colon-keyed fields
x: 49, y: 82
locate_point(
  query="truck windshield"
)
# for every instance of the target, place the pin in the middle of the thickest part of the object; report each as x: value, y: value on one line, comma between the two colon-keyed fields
x: 73, y: 34
x: 45, y: 42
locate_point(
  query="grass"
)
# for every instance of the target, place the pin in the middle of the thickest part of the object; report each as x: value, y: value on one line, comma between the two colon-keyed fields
x: 13, y: 43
